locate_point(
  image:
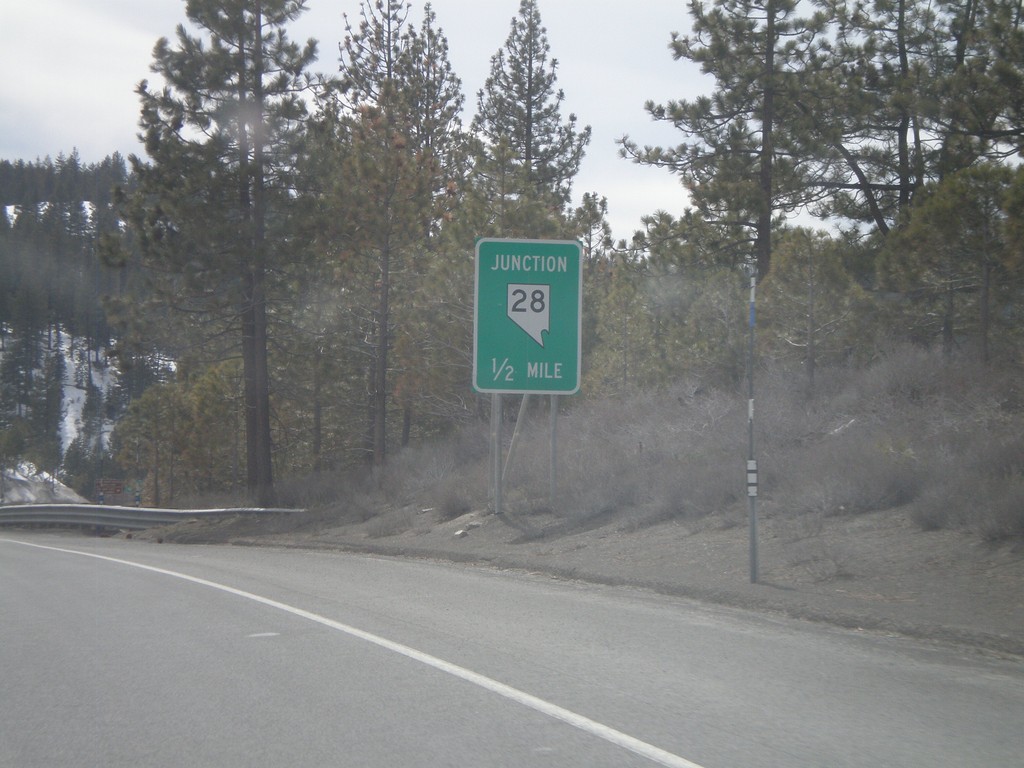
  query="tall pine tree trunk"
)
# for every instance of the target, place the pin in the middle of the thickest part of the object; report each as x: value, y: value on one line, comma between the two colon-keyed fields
x: 763, y: 241
x: 986, y: 289
x: 254, y: 309
x: 317, y: 436
x: 257, y: 392
x: 261, y: 371
x: 380, y: 391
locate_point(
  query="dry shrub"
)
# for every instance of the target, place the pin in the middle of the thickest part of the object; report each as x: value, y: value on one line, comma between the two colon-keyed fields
x: 702, y: 483
x: 850, y: 473
x: 438, y: 472
x: 994, y: 451
x: 453, y: 505
x: 991, y: 507
x: 319, y: 489
x: 913, y: 428
x: 470, y: 444
x: 391, y: 523
x: 942, y: 506
x: 998, y: 512
x: 823, y: 560
x: 907, y: 374
x: 672, y: 452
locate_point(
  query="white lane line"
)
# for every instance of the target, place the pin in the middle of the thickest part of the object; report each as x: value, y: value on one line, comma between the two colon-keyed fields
x: 594, y: 728
x: 263, y: 634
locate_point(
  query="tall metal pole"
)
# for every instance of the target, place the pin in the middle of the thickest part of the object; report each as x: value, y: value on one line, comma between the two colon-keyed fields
x: 751, y: 461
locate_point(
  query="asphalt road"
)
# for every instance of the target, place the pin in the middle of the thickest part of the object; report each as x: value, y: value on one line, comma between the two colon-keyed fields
x: 124, y: 653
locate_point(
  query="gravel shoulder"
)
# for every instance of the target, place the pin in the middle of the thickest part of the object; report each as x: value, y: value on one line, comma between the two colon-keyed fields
x: 874, y: 572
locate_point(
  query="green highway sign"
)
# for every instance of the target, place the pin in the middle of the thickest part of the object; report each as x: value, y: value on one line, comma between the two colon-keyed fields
x: 527, y: 316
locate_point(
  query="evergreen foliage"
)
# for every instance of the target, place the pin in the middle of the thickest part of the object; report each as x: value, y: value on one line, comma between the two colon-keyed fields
x: 211, y: 206
x: 399, y: 153
x: 285, y: 281
x: 519, y: 115
x: 954, y: 261
x: 54, y: 333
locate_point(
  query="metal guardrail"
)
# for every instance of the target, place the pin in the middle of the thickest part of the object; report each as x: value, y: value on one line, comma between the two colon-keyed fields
x: 125, y: 518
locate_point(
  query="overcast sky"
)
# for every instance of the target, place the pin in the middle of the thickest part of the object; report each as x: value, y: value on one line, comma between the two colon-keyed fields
x: 70, y: 68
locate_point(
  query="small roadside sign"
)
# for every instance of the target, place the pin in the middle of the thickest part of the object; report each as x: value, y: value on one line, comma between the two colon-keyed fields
x: 527, y: 316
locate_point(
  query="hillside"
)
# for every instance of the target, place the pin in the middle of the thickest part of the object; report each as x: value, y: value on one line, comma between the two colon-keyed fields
x: 878, y: 572
x: 891, y: 501
x: 65, y: 422
x: 26, y: 485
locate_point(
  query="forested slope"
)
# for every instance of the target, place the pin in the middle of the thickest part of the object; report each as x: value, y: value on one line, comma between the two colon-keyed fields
x: 283, y: 281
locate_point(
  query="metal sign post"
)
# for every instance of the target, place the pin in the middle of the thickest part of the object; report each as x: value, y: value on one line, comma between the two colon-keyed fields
x: 496, y: 468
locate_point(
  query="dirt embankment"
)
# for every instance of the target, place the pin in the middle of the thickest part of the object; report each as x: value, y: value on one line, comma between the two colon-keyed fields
x: 874, y: 572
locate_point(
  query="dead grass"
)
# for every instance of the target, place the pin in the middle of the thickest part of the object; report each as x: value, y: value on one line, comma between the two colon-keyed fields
x: 391, y: 523
x: 936, y: 438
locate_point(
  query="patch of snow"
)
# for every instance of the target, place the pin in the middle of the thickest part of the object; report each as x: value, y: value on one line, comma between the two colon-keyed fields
x: 104, y: 378
x: 25, y: 484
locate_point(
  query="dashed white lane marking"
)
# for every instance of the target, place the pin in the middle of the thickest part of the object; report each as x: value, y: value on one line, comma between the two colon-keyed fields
x: 594, y: 728
x: 263, y: 634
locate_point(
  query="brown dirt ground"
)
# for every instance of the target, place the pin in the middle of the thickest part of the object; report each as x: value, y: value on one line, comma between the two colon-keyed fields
x: 873, y: 572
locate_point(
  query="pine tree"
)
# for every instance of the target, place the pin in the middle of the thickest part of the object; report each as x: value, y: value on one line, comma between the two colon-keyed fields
x: 501, y: 202
x: 13, y: 441
x: 813, y: 309
x: 86, y: 457
x: 211, y: 455
x: 47, y: 414
x: 210, y: 211
x: 382, y: 186
x: 23, y: 356
x: 743, y: 161
x: 400, y: 149
x: 952, y: 256
x: 519, y: 113
x: 51, y: 292
x: 591, y: 228
x: 618, y: 342
x: 428, y: 320
x: 150, y: 439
